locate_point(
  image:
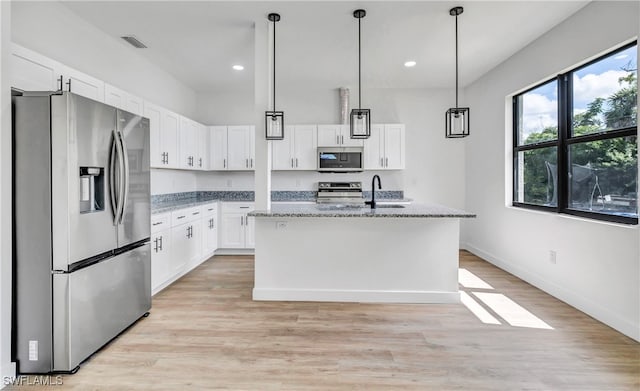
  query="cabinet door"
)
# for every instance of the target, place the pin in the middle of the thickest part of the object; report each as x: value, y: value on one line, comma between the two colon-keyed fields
x: 394, y: 140
x: 305, y: 146
x: 202, y: 146
x: 169, y: 137
x: 31, y: 71
x: 195, y: 242
x: 346, y: 140
x: 179, y: 248
x: 210, y: 234
x: 187, y: 144
x: 329, y: 135
x: 282, y: 157
x: 239, y: 147
x: 83, y: 84
x: 250, y: 232
x: 232, y: 230
x: 114, y: 96
x: 154, y: 113
x: 133, y: 104
x: 218, y: 147
x: 374, y: 149
x: 160, y: 258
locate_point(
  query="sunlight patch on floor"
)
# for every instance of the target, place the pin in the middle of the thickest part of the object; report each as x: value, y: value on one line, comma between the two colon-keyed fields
x: 511, y: 311
x: 470, y: 280
x: 477, y: 309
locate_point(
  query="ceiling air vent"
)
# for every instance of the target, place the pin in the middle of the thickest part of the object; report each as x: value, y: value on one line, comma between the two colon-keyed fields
x: 133, y: 41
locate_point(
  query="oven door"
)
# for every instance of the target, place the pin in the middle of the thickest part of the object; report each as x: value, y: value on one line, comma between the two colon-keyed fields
x: 340, y: 159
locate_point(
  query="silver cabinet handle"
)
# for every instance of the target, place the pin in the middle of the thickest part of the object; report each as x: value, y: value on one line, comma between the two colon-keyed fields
x: 200, y: 162
x: 180, y: 217
x: 246, y: 163
x: 251, y: 162
x: 296, y: 162
x: 386, y: 162
x: 160, y: 243
x: 246, y: 219
x: 155, y: 248
x: 381, y: 162
x: 241, y: 220
x: 291, y: 162
x: 158, y: 223
x: 224, y: 163
x: 337, y: 139
x: 341, y: 139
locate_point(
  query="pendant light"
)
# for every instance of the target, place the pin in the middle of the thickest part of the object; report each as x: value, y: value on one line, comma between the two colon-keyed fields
x: 360, y: 122
x: 457, y: 118
x: 274, y: 120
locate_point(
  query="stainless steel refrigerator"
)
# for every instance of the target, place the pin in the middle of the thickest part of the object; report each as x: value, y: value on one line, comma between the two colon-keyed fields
x: 82, y: 259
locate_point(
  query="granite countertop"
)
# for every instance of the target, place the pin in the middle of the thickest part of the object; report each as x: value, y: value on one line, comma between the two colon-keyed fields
x: 408, y: 211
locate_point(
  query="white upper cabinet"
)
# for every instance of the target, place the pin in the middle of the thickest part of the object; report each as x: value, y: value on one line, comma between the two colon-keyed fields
x: 82, y: 84
x: 188, y: 143
x: 202, y: 147
x: 336, y: 136
x: 385, y: 149
x: 240, y: 147
x: 297, y: 151
x: 114, y: 96
x: 133, y: 104
x: 31, y: 71
x: 163, y: 136
x: 217, y: 147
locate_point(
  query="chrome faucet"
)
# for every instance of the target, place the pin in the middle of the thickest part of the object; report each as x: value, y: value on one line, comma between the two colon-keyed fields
x: 373, y: 191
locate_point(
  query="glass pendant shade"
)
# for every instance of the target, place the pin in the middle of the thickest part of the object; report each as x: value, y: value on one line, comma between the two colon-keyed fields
x: 457, y: 122
x: 360, y: 123
x: 274, y: 125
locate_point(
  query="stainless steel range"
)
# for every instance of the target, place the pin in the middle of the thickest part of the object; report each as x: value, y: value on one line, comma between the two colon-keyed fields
x: 343, y: 193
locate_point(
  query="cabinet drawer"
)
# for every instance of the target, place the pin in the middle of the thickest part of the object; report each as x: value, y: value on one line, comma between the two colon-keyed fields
x: 237, y: 207
x: 160, y: 222
x: 186, y: 215
x: 209, y: 209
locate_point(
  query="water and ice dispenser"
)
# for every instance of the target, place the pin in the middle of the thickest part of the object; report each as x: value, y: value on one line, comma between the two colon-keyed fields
x: 91, y: 189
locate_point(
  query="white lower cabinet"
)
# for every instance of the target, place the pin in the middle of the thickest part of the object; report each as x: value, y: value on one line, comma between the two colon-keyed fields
x: 237, y: 229
x: 209, y: 229
x: 160, y: 250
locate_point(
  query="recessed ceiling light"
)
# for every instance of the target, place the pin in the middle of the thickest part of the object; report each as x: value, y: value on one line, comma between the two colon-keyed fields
x: 410, y: 64
x: 238, y: 67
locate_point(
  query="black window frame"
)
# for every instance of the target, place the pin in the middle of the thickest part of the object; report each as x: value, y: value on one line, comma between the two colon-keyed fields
x: 564, y: 140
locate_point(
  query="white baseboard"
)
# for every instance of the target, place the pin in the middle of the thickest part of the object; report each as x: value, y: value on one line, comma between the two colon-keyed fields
x: 570, y: 297
x: 355, y: 296
x: 235, y: 251
x: 7, y: 373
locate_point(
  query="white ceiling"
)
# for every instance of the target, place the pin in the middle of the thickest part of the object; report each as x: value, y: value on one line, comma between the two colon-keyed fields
x: 198, y: 42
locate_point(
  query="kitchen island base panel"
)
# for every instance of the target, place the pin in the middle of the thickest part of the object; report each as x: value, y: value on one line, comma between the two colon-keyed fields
x: 391, y: 260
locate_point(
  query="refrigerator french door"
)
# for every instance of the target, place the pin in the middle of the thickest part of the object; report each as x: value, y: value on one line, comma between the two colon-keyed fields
x: 81, y: 218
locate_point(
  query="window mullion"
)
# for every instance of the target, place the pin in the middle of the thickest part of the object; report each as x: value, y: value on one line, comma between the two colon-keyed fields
x: 564, y: 127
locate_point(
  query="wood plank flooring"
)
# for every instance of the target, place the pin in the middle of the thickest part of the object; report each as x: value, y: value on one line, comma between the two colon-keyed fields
x: 205, y: 333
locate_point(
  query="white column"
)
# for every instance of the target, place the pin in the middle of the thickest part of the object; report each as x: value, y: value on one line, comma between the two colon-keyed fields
x: 7, y: 368
x: 262, y: 90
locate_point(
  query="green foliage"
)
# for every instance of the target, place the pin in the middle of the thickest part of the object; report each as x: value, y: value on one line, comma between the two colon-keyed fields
x: 613, y: 161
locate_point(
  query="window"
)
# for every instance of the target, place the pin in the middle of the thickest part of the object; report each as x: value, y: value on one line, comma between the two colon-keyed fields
x: 575, y: 144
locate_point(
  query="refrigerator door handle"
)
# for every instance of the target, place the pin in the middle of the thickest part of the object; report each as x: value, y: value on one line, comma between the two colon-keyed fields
x: 125, y: 176
x: 112, y: 178
x: 120, y: 188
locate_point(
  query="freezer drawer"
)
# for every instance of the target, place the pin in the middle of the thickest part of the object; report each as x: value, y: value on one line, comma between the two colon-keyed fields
x: 94, y: 304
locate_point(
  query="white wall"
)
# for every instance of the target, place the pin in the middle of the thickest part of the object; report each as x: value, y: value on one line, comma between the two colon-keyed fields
x: 53, y: 30
x: 434, y: 165
x: 7, y: 369
x: 598, y: 264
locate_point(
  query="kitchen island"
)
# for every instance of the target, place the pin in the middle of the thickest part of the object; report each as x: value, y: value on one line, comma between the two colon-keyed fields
x: 393, y: 254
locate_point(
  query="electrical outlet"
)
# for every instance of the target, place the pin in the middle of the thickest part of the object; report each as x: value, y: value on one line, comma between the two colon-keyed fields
x: 281, y: 224
x: 229, y: 183
x: 298, y: 183
x: 553, y: 256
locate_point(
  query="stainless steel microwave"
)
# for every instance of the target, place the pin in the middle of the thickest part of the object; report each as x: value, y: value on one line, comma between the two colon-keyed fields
x: 340, y: 159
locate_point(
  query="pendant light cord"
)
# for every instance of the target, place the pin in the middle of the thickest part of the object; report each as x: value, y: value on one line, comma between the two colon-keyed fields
x: 456, y: 61
x: 359, y: 69
x: 274, y: 65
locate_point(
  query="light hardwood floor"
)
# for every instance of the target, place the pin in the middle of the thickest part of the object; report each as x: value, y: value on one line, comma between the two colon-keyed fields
x: 205, y: 333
